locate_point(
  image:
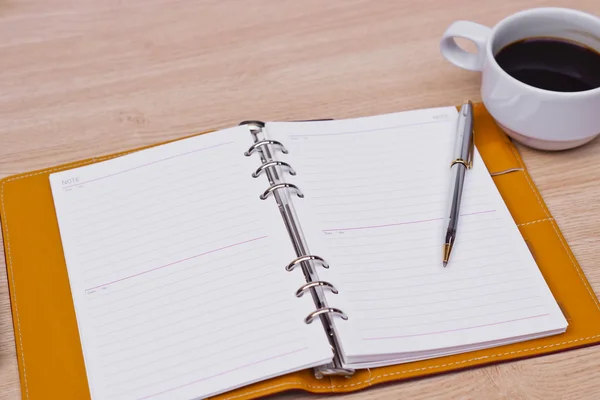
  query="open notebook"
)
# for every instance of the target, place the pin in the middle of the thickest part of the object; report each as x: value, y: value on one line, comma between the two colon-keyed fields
x: 231, y: 257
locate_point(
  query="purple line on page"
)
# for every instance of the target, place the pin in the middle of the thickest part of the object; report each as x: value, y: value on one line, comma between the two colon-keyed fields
x: 402, y: 223
x: 145, y: 165
x: 176, y: 262
x: 382, y: 226
x: 458, y: 329
x: 478, y: 212
x: 222, y: 373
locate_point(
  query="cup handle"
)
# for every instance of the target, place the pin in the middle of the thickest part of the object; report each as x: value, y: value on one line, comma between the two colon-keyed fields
x: 472, y: 31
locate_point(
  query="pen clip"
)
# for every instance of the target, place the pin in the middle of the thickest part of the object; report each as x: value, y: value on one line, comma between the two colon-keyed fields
x: 471, y: 153
x: 468, y: 107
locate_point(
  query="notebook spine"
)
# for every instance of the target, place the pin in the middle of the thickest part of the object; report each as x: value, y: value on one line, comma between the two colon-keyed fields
x: 305, y: 262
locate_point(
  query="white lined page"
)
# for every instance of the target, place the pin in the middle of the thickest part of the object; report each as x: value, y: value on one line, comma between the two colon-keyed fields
x: 375, y: 200
x: 177, y: 272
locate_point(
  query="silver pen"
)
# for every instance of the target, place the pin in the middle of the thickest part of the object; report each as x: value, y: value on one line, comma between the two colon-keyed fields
x: 463, y: 160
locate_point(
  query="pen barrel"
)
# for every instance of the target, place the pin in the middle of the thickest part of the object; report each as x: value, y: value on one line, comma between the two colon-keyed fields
x: 455, y: 196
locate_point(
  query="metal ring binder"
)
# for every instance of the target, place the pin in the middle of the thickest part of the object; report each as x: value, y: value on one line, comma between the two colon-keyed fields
x: 284, y: 185
x: 309, y: 319
x: 255, y: 128
x: 262, y: 143
x: 322, y: 372
x: 313, y: 284
x: 253, y: 123
x: 268, y: 164
x: 308, y: 257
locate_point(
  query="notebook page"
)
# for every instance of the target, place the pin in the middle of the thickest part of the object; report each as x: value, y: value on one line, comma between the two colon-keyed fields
x: 375, y: 200
x: 177, y: 271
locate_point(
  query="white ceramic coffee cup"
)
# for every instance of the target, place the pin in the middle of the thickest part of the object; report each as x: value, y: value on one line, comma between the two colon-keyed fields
x: 538, y: 118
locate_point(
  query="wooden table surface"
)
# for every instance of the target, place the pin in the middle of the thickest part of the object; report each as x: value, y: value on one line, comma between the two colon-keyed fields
x: 83, y: 78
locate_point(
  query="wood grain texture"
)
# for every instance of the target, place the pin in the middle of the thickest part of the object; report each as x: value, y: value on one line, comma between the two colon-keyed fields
x: 85, y: 78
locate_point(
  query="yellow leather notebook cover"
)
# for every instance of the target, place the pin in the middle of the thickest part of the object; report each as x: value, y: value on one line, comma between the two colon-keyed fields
x: 47, y: 341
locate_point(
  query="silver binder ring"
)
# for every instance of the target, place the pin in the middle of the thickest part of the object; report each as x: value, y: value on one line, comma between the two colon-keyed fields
x: 254, y: 126
x: 323, y: 372
x: 281, y: 186
x: 326, y: 310
x: 262, y: 143
x: 253, y: 122
x: 293, y: 264
x: 266, y: 165
x: 315, y: 284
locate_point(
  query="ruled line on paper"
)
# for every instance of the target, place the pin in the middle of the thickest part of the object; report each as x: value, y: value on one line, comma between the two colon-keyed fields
x: 171, y: 283
x: 153, y: 223
x: 380, y: 209
x: 261, y: 307
x: 367, y: 175
x: 458, y: 329
x: 351, y: 201
x: 179, y: 182
x: 359, y: 236
x: 161, y: 197
x: 145, y: 253
x: 370, y: 194
x: 181, y: 354
x: 467, y: 278
x: 394, y: 260
x: 371, y: 130
x: 226, y: 328
x: 470, y: 307
x: 395, y: 269
x: 223, y: 327
x: 349, y: 247
x: 404, y: 259
x: 417, y: 239
x: 394, y: 307
x: 401, y: 223
x: 397, y: 252
x: 470, y: 318
x: 146, y: 164
x: 435, y: 273
x: 224, y: 373
x: 180, y: 178
x: 199, y: 325
x: 151, y: 320
x: 164, y: 285
x: 174, y: 262
x: 438, y: 292
x: 324, y: 176
x: 161, y: 376
x: 180, y: 232
x: 375, y: 215
x: 155, y: 309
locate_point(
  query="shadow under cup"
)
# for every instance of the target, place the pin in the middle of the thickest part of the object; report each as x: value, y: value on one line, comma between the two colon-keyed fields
x: 552, y: 58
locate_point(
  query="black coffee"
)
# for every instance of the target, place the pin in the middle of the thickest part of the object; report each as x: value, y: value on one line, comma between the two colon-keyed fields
x: 551, y: 64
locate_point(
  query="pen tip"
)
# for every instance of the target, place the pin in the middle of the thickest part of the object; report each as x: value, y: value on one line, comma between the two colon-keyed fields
x: 447, y: 249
